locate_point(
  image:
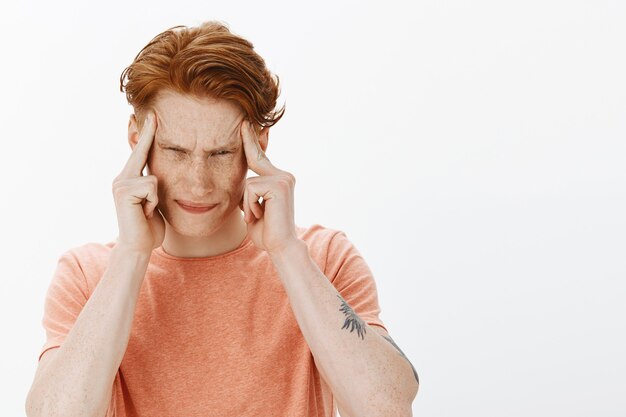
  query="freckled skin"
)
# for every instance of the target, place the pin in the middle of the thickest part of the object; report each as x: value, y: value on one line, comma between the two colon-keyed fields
x: 198, y: 174
x: 212, y: 179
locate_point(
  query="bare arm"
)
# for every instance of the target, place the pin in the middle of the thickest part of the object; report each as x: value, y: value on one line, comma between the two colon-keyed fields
x: 78, y: 381
x: 367, y: 375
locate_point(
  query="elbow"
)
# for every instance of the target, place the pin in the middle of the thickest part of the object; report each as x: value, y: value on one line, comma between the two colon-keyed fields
x: 397, y: 402
x: 413, y: 383
x: 36, y: 405
x: 32, y: 405
x: 396, y: 406
x: 391, y: 410
x: 414, y: 389
x: 397, y: 409
x: 412, y: 394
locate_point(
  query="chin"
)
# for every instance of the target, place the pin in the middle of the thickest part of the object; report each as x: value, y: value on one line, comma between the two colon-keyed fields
x: 195, y: 231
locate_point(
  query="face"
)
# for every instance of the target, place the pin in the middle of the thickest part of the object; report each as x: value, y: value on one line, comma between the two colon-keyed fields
x: 198, y: 157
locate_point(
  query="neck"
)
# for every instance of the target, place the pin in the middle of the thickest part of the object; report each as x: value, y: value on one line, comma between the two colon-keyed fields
x: 224, y: 240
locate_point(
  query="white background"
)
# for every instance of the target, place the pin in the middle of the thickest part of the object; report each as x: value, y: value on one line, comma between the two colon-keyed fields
x: 473, y: 152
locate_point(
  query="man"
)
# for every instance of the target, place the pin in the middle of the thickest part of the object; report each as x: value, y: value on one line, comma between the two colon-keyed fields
x: 196, y: 310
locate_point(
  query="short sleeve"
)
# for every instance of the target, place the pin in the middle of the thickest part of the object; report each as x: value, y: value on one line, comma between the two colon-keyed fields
x: 65, y: 298
x: 352, y: 277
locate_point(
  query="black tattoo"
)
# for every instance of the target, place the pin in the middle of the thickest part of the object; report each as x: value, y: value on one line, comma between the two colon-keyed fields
x: 352, y: 319
x: 390, y: 340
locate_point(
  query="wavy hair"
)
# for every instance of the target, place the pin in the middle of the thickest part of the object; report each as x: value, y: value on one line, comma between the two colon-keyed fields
x: 203, y: 61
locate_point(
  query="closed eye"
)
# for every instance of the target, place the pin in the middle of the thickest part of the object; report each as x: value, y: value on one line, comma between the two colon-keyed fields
x: 175, y: 150
x: 220, y: 153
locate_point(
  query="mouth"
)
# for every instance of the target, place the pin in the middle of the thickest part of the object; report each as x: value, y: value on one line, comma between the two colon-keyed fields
x: 194, y: 207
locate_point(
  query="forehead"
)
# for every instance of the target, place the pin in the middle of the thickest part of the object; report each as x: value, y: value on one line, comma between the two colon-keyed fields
x: 187, y: 119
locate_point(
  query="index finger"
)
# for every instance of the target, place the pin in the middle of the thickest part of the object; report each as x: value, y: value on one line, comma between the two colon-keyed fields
x: 139, y: 156
x: 255, y: 157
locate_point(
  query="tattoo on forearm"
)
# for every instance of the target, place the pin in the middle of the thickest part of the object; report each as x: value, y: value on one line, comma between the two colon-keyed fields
x: 390, y: 340
x: 352, y: 319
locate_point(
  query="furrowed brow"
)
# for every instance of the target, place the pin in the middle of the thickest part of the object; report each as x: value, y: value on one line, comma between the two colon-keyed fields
x: 164, y: 142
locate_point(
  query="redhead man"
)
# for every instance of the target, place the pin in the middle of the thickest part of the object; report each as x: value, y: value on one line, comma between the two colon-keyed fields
x: 212, y: 301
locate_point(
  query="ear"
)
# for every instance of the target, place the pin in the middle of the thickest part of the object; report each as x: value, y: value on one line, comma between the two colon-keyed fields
x: 133, y: 131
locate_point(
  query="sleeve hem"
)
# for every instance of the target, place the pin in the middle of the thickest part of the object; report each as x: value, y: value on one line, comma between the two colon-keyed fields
x: 379, y: 325
x: 47, y: 348
x: 330, y: 242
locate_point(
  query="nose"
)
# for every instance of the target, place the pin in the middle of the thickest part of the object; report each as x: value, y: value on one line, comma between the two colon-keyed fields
x: 200, y: 179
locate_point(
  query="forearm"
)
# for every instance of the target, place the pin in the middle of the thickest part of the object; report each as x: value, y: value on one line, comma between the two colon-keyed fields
x: 79, y: 378
x: 366, y: 373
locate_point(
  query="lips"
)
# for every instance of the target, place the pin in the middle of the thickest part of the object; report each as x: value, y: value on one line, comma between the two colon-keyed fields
x: 195, y: 209
x: 191, y: 204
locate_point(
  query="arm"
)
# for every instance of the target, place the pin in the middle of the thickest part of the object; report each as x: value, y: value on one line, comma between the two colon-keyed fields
x: 78, y: 381
x: 366, y: 373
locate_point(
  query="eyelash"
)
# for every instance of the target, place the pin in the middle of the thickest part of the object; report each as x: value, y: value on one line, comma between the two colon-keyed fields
x: 220, y: 153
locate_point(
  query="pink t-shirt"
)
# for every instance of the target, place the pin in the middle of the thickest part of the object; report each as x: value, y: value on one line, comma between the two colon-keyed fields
x: 214, y: 336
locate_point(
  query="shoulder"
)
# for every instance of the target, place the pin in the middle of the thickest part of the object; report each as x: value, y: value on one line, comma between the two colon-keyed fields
x: 91, y: 253
x: 323, y: 240
x: 90, y: 260
x: 316, y: 233
x: 327, y: 246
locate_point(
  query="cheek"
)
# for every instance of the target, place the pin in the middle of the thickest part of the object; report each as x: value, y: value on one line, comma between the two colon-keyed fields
x: 170, y: 165
x: 232, y: 172
x: 158, y: 165
x: 233, y: 166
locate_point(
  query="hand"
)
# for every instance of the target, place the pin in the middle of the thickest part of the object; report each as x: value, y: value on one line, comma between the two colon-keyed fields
x: 271, y: 223
x: 141, y: 226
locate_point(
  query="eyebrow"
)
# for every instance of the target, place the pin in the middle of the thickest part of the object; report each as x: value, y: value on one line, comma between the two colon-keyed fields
x: 228, y: 146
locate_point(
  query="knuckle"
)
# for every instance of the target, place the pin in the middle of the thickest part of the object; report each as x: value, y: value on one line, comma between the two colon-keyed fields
x: 115, y: 184
x: 117, y: 192
x: 287, y: 180
x: 118, y: 185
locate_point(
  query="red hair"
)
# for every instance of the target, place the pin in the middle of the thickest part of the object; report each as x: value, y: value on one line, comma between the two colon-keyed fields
x: 203, y: 61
